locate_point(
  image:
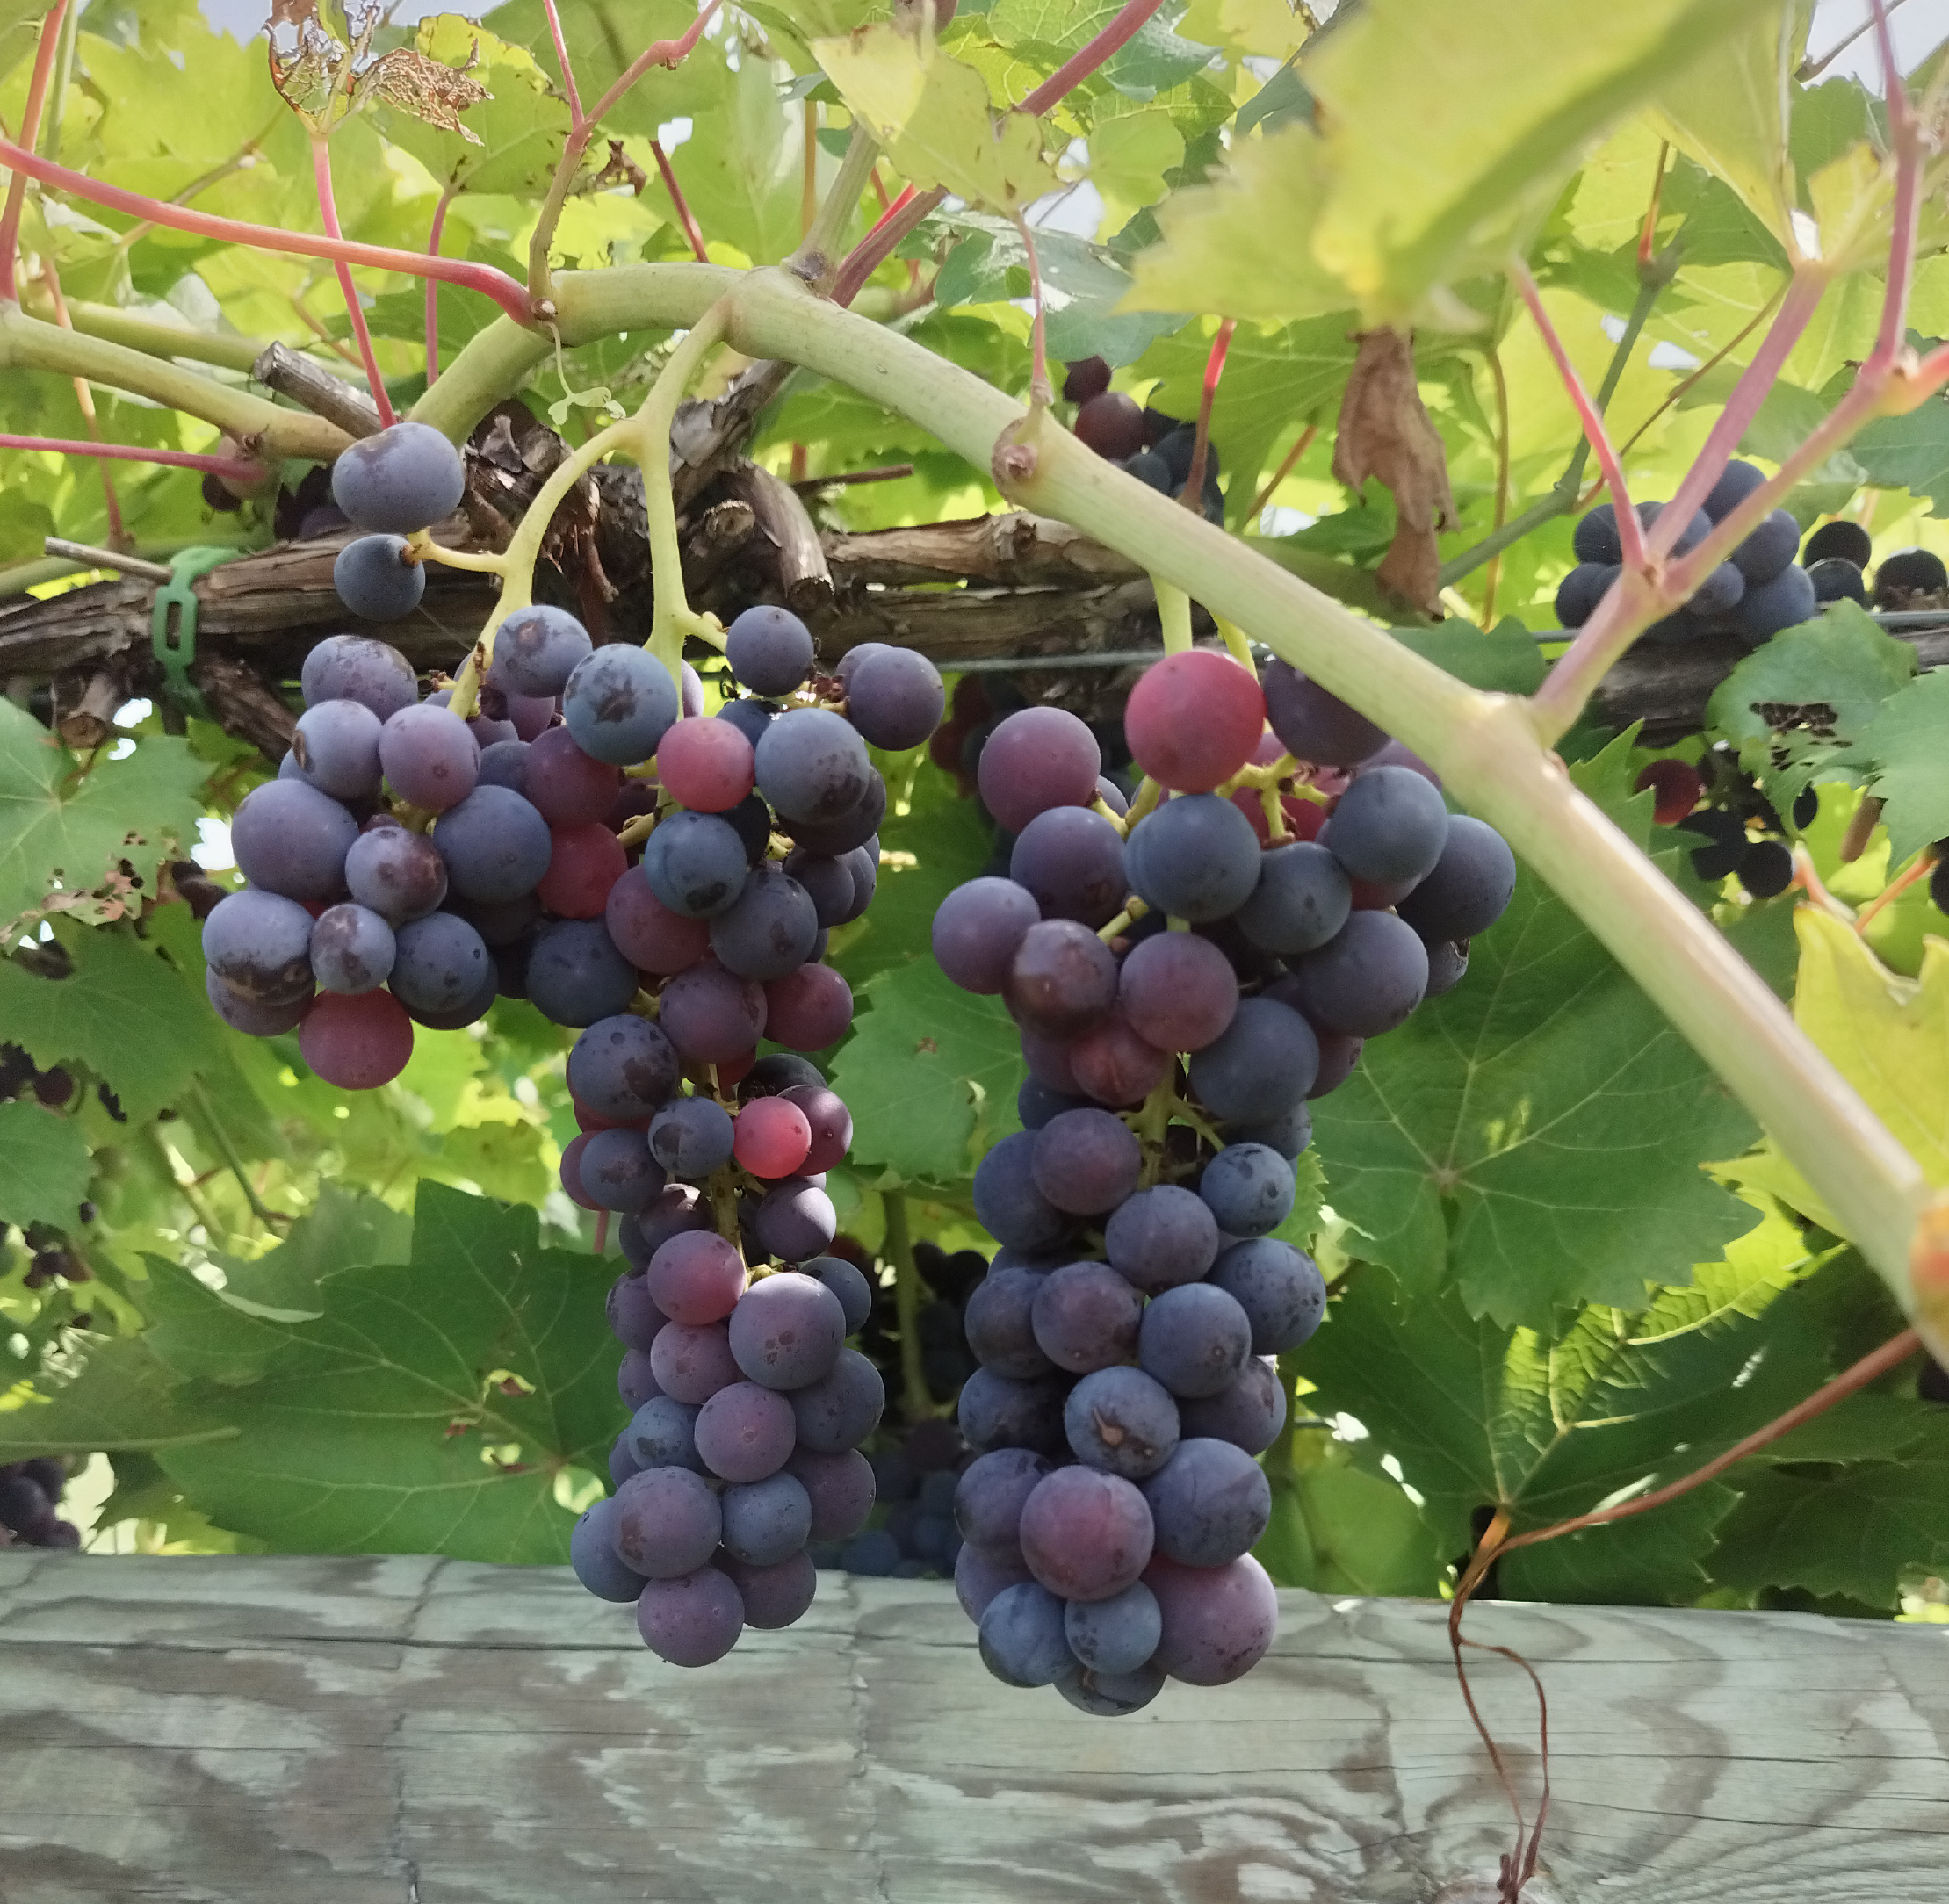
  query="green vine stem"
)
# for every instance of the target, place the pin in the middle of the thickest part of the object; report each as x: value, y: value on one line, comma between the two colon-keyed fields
x: 814, y: 259
x: 915, y: 1401
x: 1173, y: 615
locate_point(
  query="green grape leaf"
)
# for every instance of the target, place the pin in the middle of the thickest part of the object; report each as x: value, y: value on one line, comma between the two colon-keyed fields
x: 124, y: 1398
x: 1481, y: 1141
x: 1154, y: 60
x: 1502, y: 660
x: 1908, y: 452
x: 343, y: 1230
x: 1424, y: 174
x: 430, y: 1408
x: 932, y: 115
x: 1792, y: 706
x: 928, y: 1065
x: 1902, y: 752
x: 1337, y: 1528
x: 519, y: 129
x: 1281, y: 100
x: 1082, y: 284
x: 604, y: 37
x: 66, y: 828
x: 130, y: 1017
x: 1550, y: 1425
x: 742, y: 180
x: 1061, y: 25
x: 1850, y: 1530
x: 47, y: 1167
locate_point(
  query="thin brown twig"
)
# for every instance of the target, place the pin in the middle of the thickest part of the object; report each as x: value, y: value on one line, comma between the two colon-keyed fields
x: 1192, y: 495
x: 1493, y: 574
x: 692, y: 235
x: 1285, y: 469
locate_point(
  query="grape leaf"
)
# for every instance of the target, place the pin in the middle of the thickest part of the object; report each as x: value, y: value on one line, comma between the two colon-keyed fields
x: 47, y: 1167
x: 1337, y: 1528
x: 1908, y: 452
x: 1548, y: 1425
x: 932, y: 115
x: 1902, y: 752
x: 64, y: 827
x: 1502, y: 660
x: 1484, y: 1141
x: 605, y: 36
x: 743, y: 181
x: 129, y: 1016
x: 1423, y: 173
x: 925, y: 1066
x: 386, y: 1425
x: 1850, y: 1530
x: 124, y: 1398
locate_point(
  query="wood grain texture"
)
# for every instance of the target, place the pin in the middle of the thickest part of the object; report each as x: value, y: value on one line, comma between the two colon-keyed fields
x: 415, y: 1731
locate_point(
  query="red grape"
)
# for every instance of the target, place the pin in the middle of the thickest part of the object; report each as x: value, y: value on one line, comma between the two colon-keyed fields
x: 356, y: 1041
x: 707, y: 765
x: 565, y: 785
x: 774, y: 1137
x: 648, y: 933
x: 1677, y: 787
x: 808, y: 1009
x: 1194, y: 719
x: 584, y: 864
x: 1111, y: 424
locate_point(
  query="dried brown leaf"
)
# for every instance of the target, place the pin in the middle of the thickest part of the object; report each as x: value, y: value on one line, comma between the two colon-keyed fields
x: 431, y: 92
x: 1385, y: 432
x: 323, y: 79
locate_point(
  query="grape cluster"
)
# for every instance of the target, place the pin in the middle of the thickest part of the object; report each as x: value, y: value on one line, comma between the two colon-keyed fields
x: 915, y: 1474
x: 1156, y: 449
x: 30, y: 1491
x: 1759, y: 590
x: 1743, y: 833
x: 1185, y: 978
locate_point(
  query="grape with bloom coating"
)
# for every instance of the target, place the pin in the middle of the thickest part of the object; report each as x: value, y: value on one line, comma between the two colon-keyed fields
x: 1194, y: 755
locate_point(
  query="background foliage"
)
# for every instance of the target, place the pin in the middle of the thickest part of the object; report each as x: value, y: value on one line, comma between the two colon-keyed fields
x: 271, y: 1314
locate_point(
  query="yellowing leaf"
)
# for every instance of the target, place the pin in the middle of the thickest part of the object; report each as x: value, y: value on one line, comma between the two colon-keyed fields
x: 932, y: 115
x: 1127, y: 159
x: 1429, y: 168
x: 1887, y: 1036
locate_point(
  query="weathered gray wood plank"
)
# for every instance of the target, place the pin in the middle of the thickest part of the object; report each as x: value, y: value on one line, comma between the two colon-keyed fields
x: 411, y: 1731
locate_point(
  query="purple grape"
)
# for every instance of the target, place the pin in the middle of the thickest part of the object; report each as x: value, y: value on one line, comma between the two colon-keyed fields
x: 1022, y: 1643
x: 893, y: 696
x: 396, y: 873
x: 767, y: 1521
x: 767, y: 932
x: 775, y: 1595
x: 1117, y: 1635
x: 678, y: 1211
x: 355, y: 667
x: 998, y: 1321
x: 1694, y: 532
x: 691, y: 1137
x: 636, y: 1380
x: 535, y: 652
x: 1580, y: 591
x: 988, y: 1499
x: 619, y: 703
x: 1769, y: 546
x: 1736, y: 482
x: 1086, y: 1161
x: 857, y: 827
x: 1249, y: 1188
x: 769, y: 650
x: 495, y: 846
x: 1161, y: 1237
x: 258, y: 945
x: 292, y: 839
x: 622, y: 1067
x: 1063, y: 979
x: 691, y: 1622
x: 1085, y: 1317
x: 847, y: 1283
x: 979, y: 1578
x: 1469, y: 887
x: 252, y: 1019
x: 504, y: 764
x: 377, y: 578
x: 1194, y: 857
x: 430, y: 761
x: 787, y: 1331
x: 402, y: 480
x: 1366, y: 981
x: 353, y: 950
x: 1218, y: 1621
x: 995, y: 1412
x: 663, y: 1433
x: 1249, y: 1414
x: 666, y: 1518
x: 335, y: 745
x: 1111, y: 1695
x: 1268, y: 1058
x: 711, y: 1015
x: 828, y: 885
x: 1008, y: 1203
x: 575, y: 975
x: 1209, y: 1503
x: 1784, y: 601
x: 696, y: 864
x: 1071, y: 860
x: 840, y: 1409
x: 692, y: 1364
x: 1122, y: 1421
x: 622, y: 1463
x: 840, y: 1487
x: 1194, y: 1340
x: 618, y: 1173
x: 1085, y: 1535
x: 794, y: 1222
x: 1280, y: 1289
x: 1596, y: 538
x: 440, y: 964
x: 1038, y: 758
x: 1302, y: 899
x: 1313, y: 725
x: 812, y: 768
x: 1389, y: 828
x: 977, y: 929
x: 592, y: 1554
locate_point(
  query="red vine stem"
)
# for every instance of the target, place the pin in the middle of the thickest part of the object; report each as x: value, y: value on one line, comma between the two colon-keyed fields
x: 562, y: 59
x: 433, y: 239
x: 45, y: 48
x: 328, y: 210
x: 1192, y: 495
x: 1040, y: 394
x: 236, y: 467
x: 462, y: 272
x: 692, y: 235
x: 908, y: 210
x: 666, y: 52
x: 1630, y: 532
